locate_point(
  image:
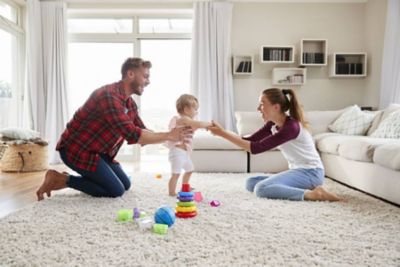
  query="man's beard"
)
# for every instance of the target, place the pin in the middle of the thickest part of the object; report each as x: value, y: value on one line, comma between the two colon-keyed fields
x: 135, y: 88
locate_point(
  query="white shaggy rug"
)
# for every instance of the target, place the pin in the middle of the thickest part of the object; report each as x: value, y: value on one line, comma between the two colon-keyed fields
x: 72, y: 229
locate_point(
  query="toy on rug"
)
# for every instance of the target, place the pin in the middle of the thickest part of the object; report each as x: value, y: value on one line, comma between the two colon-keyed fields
x: 159, y: 228
x: 158, y: 176
x: 214, y: 203
x: 136, y: 213
x: 185, y: 207
x: 164, y: 218
x: 145, y: 223
x: 198, y: 197
x: 165, y: 215
x: 125, y: 215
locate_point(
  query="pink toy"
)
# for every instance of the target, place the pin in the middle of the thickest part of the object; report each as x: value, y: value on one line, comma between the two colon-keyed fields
x: 198, y: 197
x: 214, y: 203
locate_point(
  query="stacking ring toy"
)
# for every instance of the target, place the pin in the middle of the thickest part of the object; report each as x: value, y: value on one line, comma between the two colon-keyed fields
x: 185, y: 209
x: 185, y: 199
x: 185, y: 194
x: 186, y: 214
x: 185, y: 204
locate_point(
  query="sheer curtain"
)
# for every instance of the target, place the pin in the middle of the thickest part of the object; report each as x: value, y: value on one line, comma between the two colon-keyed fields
x: 211, y: 69
x: 390, y: 77
x: 48, y: 37
x: 34, y: 58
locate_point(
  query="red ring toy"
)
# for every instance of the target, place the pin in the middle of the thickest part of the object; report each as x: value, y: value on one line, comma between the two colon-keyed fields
x: 186, y: 214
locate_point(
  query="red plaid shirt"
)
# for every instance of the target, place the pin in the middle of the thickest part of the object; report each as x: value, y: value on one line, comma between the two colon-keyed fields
x: 100, y: 126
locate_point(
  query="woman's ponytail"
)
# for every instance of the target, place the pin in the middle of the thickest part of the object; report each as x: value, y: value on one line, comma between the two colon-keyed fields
x: 288, y: 101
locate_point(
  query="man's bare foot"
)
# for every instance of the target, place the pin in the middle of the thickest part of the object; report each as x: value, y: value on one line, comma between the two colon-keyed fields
x: 320, y: 194
x: 53, y: 180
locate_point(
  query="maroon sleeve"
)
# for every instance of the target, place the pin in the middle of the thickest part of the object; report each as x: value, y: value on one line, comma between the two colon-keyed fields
x: 260, y: 133
x: 290, y: 130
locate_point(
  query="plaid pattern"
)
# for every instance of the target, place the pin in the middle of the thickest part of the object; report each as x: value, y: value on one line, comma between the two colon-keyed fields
x: 100, y: 126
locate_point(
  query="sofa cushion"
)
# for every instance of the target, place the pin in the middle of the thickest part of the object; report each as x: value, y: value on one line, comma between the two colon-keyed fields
x: 388, y: 155
x: 353, y: 121
x: 375, y: 122
x: 320, y: 136
x: 204, y: 140
x: 330, y: 143
x: 247, y: 122
x: 389, y: 127
x: 389, y: 110
x: 361, y: 148
x: 320, y: 119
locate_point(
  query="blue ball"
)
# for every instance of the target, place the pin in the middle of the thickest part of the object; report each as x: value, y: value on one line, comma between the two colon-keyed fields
x: 165, y: 215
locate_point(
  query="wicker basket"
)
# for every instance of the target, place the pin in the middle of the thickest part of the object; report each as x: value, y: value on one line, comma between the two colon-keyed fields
x: 23, y: 157
x: 2, y: 150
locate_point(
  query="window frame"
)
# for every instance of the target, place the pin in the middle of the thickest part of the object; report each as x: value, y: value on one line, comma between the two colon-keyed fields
x: 135, y: 37
x: 17, y: 30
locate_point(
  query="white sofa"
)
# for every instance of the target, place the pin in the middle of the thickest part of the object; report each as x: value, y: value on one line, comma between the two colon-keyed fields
x: 369, y: 164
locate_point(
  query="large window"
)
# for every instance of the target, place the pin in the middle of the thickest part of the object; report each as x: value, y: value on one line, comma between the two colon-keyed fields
x: 99, y: 45
x: 92, y: 65
x: 170, y: 77
x: 11, y: 72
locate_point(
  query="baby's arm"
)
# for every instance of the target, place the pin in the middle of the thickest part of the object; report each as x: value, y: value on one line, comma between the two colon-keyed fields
x: 186, y: 121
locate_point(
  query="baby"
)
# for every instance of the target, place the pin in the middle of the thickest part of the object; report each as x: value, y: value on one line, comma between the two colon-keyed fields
x: 179, y: 152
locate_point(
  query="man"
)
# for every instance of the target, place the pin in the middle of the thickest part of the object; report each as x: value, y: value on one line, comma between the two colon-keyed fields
x: 97, y: 130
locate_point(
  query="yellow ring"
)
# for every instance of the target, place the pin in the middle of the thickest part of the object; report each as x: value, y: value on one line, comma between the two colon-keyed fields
x: 185, y: 209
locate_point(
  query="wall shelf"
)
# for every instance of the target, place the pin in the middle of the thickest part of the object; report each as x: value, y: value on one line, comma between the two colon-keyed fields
x: 242, y: 65
x: 288, y: 76
x: 313, y: 52
x: 277, y: 54
x: 348, y: 65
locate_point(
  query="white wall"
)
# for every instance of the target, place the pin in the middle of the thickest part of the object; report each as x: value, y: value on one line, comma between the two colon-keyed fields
x: 375, y: 21
x: 348, y: 27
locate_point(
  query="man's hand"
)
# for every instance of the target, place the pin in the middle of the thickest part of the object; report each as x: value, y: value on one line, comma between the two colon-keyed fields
x: 216, y: 129
x: 180, y: 133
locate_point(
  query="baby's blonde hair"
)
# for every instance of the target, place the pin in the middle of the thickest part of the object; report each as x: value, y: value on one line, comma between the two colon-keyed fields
x: 184, y: 101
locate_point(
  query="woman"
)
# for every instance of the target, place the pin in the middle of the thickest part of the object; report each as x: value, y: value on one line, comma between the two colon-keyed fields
x: 288, y: 132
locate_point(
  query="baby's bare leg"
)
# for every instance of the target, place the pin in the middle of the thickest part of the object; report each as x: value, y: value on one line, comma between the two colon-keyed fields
x: 186, y: 177
x: 172, y: 184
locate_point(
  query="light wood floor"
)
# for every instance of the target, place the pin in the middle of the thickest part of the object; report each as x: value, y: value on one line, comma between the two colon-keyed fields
x: 18, y: 190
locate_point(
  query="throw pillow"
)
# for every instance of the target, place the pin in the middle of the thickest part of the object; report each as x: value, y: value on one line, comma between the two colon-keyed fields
x: 353, y: 121
x: 389, y: 127
x: 375, y: 122
x: 19, y: 134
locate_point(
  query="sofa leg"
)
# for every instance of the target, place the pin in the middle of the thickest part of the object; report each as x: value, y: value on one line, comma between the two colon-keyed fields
x: 248, y: 162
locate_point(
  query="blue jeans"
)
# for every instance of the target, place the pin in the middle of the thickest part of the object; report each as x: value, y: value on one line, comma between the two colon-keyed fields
x: 290, y: 184
x: 108, y: 180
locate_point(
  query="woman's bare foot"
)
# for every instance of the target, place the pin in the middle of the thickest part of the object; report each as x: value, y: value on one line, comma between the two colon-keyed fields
x: 320, y: 194
x: 53, y: 180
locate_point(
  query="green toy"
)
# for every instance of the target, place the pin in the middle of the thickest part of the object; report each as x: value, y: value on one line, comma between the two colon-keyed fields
x: 125, y: 215
x: 159, y: 228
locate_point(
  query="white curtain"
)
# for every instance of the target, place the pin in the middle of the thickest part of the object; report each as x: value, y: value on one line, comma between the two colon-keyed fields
x: 390, y: 78
x: 50, y: 29
x: 34, y: 58
x: 211, y: 68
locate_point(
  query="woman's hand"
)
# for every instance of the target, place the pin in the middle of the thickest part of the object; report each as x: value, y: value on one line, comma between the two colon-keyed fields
x: 180, y: 133
x: 216, y: 129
